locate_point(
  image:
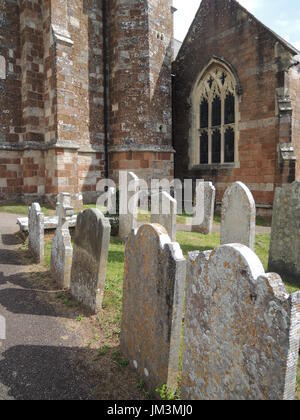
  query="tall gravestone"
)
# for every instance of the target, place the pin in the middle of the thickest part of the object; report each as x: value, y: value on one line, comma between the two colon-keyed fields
x: 238, y: 216
x: 129, y: 200
x: 62, y: 250
x: 209, y: 197
x: 165, y: 212
x: 153, y: 305
x: 242, y: 329
x: 284, y: 257
x: 112, y: 201
x: 90, y: 256
x: 36, y: 232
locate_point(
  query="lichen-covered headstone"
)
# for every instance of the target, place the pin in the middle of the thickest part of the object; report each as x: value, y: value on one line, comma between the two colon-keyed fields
x: 112, y: 201
x: 36, y: 232
x: 284, y: 257
x: 242, y: 329
x: 129, y: 200
x: 2, y: 68
x: 238, y: 216
x: 209, y: 196
x: 62, y: 250
x: 153, y: 305
x: 165, y: 212
x: 90, y: 256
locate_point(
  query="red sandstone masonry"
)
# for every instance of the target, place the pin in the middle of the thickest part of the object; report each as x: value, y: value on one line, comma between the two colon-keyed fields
x: 223, y: 29
x: 52, y: 100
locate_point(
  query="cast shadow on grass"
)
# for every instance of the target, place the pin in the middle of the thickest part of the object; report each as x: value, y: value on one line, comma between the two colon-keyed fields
x: 66, y: 373
x: 37, y: 294
x: 11, y: 239
x: 16, y: 258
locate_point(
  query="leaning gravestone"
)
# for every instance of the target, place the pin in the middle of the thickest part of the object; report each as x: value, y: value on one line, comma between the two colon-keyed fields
x: 238, y: 216
x: 242, y: 329
x: 36, y: 232
x: 209, y: 197
x: 62, y: 250
x: 284, y: 257
x: 129, y: 201
x: 90, y: 255
x: 165, y: 212
x: 153, y: 305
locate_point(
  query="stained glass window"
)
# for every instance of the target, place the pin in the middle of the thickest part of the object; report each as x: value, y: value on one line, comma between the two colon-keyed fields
x: 216, y: 146
x: 229, y: 109
x: 204, y: 114
x: 216, y: 112
x: 204, y: 148
x: 216, y: 117
x: 229, y: 145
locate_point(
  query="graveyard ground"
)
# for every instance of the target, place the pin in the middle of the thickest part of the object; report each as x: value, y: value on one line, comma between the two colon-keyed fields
x: 87, y: 346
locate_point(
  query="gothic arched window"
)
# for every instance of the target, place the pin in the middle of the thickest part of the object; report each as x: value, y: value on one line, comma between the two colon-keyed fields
x: 215, y: 108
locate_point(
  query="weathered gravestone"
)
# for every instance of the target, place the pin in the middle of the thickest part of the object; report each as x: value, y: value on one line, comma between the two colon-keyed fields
x: 242, y: 329
x: 62, y: 250
x: 238, y: 216
x: 129, y: 200
x: 164, y: 212
x: 153, y: 305
x: 36, y: 232
x: 90, y: 255
x: 284, y: 257
x: 2, y: 67
x: 209, y: 197
x: 112, y: 201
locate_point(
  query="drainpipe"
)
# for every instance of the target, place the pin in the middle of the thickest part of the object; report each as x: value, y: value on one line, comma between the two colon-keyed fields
x: 105, y: 81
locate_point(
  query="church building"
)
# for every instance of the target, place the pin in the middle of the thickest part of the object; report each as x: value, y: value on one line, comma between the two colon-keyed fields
x: 236, y: 103
x: 92, y: 87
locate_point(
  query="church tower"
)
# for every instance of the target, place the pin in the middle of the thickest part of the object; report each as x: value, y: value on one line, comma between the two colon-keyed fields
x: 85, y: 92
x: 140, y: 52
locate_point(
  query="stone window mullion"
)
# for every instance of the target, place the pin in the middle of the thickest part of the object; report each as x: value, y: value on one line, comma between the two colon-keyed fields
x: 210, y: 131
x: 223, y: 131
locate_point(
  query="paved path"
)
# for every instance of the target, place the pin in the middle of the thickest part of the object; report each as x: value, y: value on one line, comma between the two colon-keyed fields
x: 38, y: 357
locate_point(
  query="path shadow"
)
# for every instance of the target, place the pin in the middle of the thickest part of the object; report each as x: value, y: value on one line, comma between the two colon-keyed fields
x: 66, y: 373
x: 11, y: 240
x: 44, y: 373
x: 15, y: 257
x: 34, y: 294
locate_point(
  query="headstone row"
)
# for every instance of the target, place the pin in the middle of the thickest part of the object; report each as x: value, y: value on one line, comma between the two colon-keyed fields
x: 83, y: 270
x: 241, y: 328
x: 163, y: 208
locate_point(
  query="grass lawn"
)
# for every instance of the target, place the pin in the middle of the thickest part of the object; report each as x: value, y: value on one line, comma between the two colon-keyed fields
x: 22, y: 209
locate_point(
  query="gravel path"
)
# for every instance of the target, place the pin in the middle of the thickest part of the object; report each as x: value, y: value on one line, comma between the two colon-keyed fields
x: 37, y: 357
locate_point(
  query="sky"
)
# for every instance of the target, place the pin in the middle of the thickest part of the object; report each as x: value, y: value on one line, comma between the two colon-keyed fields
x: 282, y: 16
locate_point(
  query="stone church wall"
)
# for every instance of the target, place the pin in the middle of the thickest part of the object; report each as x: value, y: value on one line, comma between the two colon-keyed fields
x: 225, y: 30
x: 52, y: 102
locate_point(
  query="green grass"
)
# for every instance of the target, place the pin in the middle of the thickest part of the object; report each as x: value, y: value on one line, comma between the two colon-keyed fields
x: 22, y: 209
